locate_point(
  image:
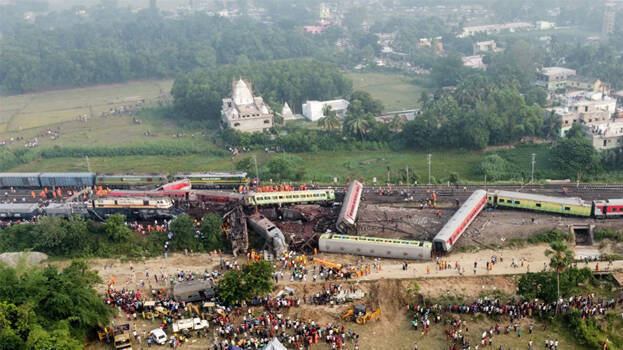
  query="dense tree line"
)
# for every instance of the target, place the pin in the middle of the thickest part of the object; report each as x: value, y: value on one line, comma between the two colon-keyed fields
x: 199, y: 95
x: 78, y: 237
x: 44, y: 308
x: 63, y: 49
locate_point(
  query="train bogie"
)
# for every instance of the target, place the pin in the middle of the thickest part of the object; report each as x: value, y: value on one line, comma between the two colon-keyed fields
x: 458, y: 223
x: 215, y: 179
x: 608, y: 208
x: 350, y: 206
x: 20, y: 180
x: 373, y: 246
x: 285, y: 197
x: 539, y: 203
x: 18, y: 211
x: 128, y: 180
x: 67, y: 179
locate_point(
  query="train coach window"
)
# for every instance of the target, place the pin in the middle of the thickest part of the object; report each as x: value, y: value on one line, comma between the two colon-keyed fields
x: 517, y: 202
x: 389, y: 252
x: 567, y: 208
x: 501, y: 200
x: 342, y: 248
x: 538, y: 205
x: 405, y: 254
x: 358, y: 250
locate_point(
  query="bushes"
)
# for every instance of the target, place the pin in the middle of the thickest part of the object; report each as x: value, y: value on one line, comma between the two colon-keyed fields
x: 601, y: 234
x: 589, y: 332
x: 493, y: 167
x: 549, y: 237
x: 542, y: 285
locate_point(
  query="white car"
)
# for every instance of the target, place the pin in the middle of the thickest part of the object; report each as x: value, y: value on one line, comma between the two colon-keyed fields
x: 159, y: 336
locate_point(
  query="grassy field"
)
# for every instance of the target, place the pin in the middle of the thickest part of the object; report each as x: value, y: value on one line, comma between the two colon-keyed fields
x: 321, y: 166
x: 22, y: 112
x: 395, y: 90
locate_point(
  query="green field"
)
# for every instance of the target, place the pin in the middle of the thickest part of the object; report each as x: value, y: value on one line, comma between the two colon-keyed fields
x: 23, y: 115
x: 395, y: 90
x: 321, y: 166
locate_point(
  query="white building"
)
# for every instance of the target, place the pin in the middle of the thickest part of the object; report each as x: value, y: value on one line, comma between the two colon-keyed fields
x: 245, y: 112
x: 474, y: 62
x: 313, y: 110
x: 585, y: 107
x: 606, y: 136
x: 545, y: 25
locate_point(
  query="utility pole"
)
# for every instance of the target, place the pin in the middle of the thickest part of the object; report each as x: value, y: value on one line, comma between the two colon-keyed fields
x: 532, y: 174
x: 88, y: 164
x: 407, y: 175
x: 429, y: 161
x: 257, y: 174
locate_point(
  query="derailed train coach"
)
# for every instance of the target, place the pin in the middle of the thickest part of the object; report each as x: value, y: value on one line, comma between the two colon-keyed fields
x: 350, y: 206
x: 375, y: 246
x: 458, y: 223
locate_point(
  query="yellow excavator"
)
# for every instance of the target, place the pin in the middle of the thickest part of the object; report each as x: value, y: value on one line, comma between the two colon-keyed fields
x: 346, y: 269
x: 359, y: 314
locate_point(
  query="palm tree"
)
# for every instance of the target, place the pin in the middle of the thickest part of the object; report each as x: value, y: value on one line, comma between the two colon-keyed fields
x: 561, y: 258
x: 397, y: 123
x: 330, y: 121
x: 358, y: 125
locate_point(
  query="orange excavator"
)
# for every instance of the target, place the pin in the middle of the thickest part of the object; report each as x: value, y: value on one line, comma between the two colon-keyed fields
x: 352, y: 271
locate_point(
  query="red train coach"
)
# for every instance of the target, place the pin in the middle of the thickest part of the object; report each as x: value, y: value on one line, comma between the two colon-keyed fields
x: 458, y: 223
x: 608, y: 208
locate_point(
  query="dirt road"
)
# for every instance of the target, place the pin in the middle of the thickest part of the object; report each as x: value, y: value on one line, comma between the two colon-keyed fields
x: 130, y: 274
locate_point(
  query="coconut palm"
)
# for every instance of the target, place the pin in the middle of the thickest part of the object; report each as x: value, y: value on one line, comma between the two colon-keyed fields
x: 330, y: 121
x: 561, y: 258
x: 358, y: 125
x: 397, y: 123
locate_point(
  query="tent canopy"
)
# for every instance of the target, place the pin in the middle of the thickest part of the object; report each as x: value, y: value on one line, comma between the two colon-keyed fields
x: 274, y: 344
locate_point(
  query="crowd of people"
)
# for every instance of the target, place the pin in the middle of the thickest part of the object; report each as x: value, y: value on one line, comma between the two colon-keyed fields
x: 248, y: 326
x: 589, y: 306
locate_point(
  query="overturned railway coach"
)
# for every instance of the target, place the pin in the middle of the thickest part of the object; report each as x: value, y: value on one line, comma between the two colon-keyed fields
x: 350, y: 207
x: 458, y: 223
x: 375, y: 246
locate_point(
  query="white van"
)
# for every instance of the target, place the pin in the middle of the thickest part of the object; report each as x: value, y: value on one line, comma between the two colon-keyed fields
x: 158, y: 336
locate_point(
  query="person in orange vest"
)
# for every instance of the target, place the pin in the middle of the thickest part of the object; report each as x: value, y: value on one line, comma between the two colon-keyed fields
x: 54, y: 194
x: 33, y: 195
x: 427, y: 270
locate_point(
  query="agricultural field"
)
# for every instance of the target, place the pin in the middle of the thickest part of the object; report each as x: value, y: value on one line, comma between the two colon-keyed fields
x: 25, y: 115
x: 395, y: 90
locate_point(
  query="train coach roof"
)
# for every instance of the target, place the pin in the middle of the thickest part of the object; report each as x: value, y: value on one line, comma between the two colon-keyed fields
x: 146, y: 174
x: 67, y: 174
x: 18, y: 207
x: 376, y: 240
x: 610, y: 202
x: 214, y: 173
x: 455, y: 221
x: 541, y: 198
x: 19, y: 174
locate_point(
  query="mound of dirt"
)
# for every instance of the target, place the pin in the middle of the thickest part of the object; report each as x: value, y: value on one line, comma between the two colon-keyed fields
x: 30, y: 258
